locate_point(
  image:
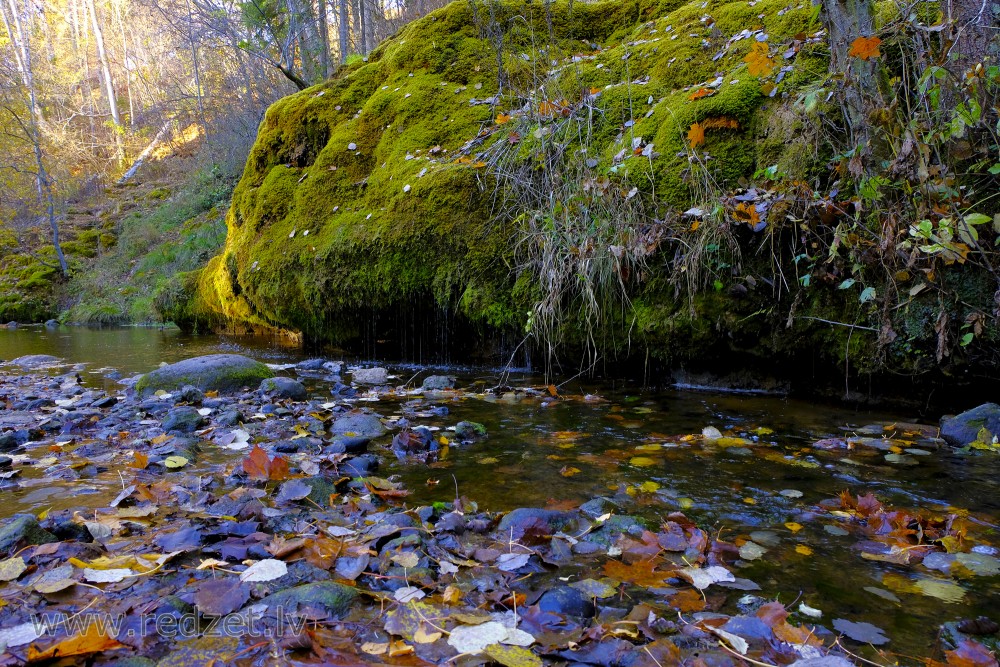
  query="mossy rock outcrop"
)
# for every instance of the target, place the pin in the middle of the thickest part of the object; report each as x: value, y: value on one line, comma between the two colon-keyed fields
x: 366, y: 195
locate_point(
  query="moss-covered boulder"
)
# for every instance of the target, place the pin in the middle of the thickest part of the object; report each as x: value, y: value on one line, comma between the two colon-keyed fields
x: 366, y: 200
x: 213, y: 372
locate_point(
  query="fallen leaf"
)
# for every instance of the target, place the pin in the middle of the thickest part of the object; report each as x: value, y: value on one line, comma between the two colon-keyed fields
x: 95, y: 639
x: 264, y: 570
x: 865, y: 633
x: 759, y: 61
x: 865, y: 48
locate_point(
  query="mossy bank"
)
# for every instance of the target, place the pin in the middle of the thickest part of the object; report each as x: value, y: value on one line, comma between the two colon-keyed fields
x: 375, y: 198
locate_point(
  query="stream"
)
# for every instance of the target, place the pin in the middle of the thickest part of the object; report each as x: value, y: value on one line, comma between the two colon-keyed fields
x: 768, y: 478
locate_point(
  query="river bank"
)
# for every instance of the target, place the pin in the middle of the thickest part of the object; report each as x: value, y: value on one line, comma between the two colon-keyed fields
x: 357, y: 499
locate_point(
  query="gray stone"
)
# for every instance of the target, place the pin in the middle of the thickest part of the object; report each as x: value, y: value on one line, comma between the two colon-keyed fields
x: 437, y: 383
x: 359, y: 425
x: 360, y: 466
x: 370, y: 375
x: 5, y: 461
x: 35, y: 361
x: 213, y: 372
x: 311, y: 364
x: 962, y: 429
x: 22, y: 530
x: 282, y: 387
x: 335, y: 599
x: 51, y: 324
x: 184, y: 419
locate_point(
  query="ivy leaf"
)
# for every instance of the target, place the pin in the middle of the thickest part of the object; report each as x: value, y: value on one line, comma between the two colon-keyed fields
x: 759, y: 61
x: 865, y: 48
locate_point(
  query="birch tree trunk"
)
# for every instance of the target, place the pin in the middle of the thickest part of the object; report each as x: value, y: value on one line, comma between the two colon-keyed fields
x: 109, y: 84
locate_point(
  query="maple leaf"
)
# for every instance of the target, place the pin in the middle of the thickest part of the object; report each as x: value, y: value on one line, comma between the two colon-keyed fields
x: 642, y: 573
x: 547, y: 108
x: 970, y: 654
x: 696, y: 135
x: 256, y: 464
x: 865, y: 48
x: 502, y: 119
x: 747, y: 212
x: 139, y: 461
x: 759, y: 61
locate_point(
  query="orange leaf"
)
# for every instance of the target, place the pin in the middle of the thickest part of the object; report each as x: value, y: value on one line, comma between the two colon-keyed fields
x: 970, y: 654
x: 140, y: 461
x: 547, y: 109
x: 747, y: 212
x: 502, y: 118
x: 865, y: 48
x: 759, y: 61
x: 700, y: 93
x: 643, y: 573
x: 256, y: 464
x: 278, y: 468
x: 720, y: 123
x: 696, y: 135
x: 95, y: 639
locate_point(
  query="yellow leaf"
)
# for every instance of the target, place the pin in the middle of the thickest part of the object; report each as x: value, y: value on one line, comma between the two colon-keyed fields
x: 502, y: 118
x: 569, y: 471
x: 696, y: 135
x: 95, y: 639
x: 794, y: 527
x: 804, y: 550
x: 642, y: 461
x: 759, y: 61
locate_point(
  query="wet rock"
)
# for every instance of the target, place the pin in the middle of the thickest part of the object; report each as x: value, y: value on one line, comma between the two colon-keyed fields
x: 21, y: 530
x: 6, y: 461
x: 35, y: 360
x: 467, y: 430
x: 51, y: 324
x: 333, y: 598
x: 8, y: 442
x: 229, y: 418
x: 191, y: 394
x: 67, y: 529
x: 414, y: 442
x: 333, y: 367
x: 598, y: 507
x: 962, y: 429
x: 538, y: 520
x: 183, y: 419
x: 104, y: 403
x: 376, y: 375
x: 12, y: 325
x: 437, y: 383
x: 311, y: 365
x: 282, y: 387
x: 224, y: 373
x: 609, y: 531
x: 360, y: 425
x: 360, y: 466
x: 350, y: 444
x: 567, y: 601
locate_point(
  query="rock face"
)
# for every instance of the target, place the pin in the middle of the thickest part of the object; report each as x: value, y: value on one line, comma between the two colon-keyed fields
x: 213, y: 372
x: 962, y: 429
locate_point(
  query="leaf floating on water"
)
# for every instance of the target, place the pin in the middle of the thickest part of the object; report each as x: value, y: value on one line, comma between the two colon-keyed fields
x: 971, y: 654
x: 947, y: 591
x: 804, y: 550
x: 702, y: 578
x: 794, y: 527
x: 569, y: 471
x: 751, y: 551
x: 265, y: 570
x: 641, y: 573
x: 175, y: 462
x: 642, y: 461
x: 982, y: 565
x: 865, y: 633
x: 882, y: 593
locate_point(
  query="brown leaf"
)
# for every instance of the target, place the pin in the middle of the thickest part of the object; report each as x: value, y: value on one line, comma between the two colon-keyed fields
x: 759, y: 61
x: 696, y: 135
x: 94, y: 640
x: 642, y: 573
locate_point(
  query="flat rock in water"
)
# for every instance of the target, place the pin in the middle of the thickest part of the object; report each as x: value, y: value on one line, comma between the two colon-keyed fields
x: 437, y: 383
x: 962, y: 429
x: 213, y: 372
x: 361, y: 425
x: 35, y: 361
x: 370, y: 375
x: 524, y: 518
x: 184, y: 419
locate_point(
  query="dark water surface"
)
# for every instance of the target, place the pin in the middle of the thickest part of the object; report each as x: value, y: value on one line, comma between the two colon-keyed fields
x: 764, y: 484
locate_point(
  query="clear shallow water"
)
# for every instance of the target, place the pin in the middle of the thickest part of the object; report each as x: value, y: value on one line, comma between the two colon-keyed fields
x: 541, y: 452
